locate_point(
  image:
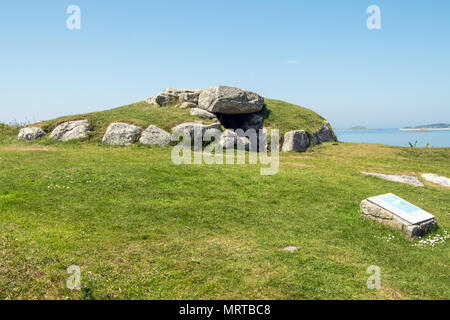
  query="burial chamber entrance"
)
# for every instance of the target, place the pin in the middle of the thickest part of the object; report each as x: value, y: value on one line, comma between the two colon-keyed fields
x: 242, y: 121
x: 245, y: 122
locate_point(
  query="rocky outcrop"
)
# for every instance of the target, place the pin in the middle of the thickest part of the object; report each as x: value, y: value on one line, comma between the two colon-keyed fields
x: 71, y: 130
x: 230, y: 100
x: 297, y: 141
x: 324, y: 134
x: 154, y: 136
x: 173, y: 96
x: 203, y: 114
x: 188, y: 95
x: 151, y: 100
x: 121, y: 134
x: 402, y: 178
x: 29, y: 134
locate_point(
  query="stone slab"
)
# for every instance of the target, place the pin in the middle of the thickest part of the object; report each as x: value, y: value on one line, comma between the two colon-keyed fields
x: 402, y: 178
x: 441, y: 180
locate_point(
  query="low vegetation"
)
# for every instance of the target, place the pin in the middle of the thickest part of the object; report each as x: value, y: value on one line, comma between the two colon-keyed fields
x: 8, y: 130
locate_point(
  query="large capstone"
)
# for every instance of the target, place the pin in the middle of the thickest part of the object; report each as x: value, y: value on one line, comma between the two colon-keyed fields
x: 71, y: 130
x: 297, y: 141
x: 121, y: 134
x: 173, y: 96
x: 154, y: 136
x: 188, y: 95
x: 324, y: 134
x: 230, y: 100
x: 29, y: 134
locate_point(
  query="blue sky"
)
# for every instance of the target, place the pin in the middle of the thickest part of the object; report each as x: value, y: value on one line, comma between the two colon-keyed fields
x: 318, y: 54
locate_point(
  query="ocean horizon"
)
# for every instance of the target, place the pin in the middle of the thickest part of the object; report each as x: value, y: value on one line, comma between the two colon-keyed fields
x: 397, y: 137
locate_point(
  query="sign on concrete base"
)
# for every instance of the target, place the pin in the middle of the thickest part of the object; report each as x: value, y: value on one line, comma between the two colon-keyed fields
x: 398, y: 213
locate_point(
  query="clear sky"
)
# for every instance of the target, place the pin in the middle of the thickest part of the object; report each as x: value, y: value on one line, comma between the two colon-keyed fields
x: 318, y: 54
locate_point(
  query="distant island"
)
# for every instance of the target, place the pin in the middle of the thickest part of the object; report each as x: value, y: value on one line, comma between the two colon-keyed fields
x: 358, y: 128
x: 431, y: 126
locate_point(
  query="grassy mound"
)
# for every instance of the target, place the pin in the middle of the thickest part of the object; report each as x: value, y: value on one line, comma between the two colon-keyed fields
x: 279, y: 115
x: 287, y: 117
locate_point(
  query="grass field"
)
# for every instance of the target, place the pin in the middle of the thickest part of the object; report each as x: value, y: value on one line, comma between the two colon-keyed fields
x: 140, y: 227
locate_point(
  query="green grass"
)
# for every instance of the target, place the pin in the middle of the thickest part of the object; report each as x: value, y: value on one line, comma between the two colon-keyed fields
x: 142, y: 228
x: 6, y: 130
x: 288, y: 117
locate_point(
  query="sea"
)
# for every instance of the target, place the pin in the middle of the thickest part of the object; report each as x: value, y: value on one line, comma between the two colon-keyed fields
x: 397, y: 137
